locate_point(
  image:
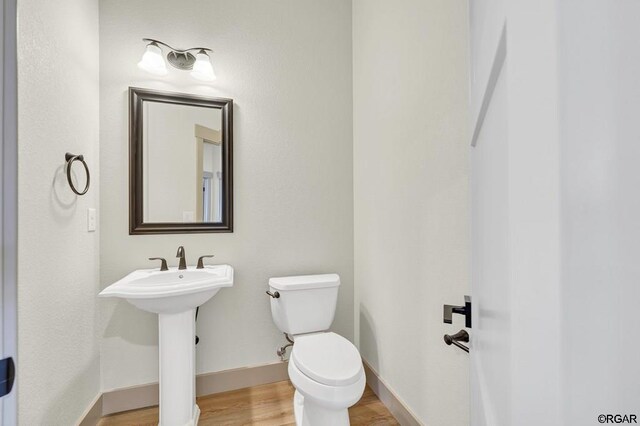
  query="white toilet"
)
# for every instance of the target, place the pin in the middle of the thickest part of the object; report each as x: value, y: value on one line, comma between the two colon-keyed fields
x: 324, y: 367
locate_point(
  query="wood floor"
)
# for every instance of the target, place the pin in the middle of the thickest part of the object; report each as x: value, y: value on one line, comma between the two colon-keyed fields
x: 268, y: 405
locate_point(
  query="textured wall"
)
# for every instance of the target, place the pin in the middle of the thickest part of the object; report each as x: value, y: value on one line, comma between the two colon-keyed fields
x: 411, y: 197
x: 58, y: 260
x: 287, y: 65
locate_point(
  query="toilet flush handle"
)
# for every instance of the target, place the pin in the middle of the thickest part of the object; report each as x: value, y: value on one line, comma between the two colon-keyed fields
x: 275, y: 294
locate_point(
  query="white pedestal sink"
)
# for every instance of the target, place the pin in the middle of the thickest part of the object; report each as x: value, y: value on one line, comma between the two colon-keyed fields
x: 174, y: 296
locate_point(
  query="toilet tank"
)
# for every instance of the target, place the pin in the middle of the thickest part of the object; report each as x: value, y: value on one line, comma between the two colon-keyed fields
x: 306, y: 304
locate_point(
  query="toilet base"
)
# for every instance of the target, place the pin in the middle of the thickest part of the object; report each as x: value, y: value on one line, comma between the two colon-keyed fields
x: 308, y: 413
x: 298, y: 402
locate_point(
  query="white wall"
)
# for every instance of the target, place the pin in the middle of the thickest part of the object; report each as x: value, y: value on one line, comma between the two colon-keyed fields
x: 411, y: 197
x: 58, y: 261
x: 287, y: 65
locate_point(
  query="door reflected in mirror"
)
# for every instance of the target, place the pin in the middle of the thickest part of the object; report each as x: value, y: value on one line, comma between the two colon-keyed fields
x: 181, y: 163
x: 211, y: 182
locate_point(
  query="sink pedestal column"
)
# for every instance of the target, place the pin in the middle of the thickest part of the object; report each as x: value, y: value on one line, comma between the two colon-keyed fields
x: 177, y: 369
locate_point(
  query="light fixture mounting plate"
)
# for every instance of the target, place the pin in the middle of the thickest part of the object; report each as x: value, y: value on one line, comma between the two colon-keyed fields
x: 182, y: 61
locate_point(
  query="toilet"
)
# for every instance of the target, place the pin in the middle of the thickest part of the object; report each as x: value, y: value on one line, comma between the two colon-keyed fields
x: 324, y: 367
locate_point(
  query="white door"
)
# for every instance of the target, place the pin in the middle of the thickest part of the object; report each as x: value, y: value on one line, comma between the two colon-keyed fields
x: 516, y: 357
x: 8, y: 201
x: 555, y: 100
x: 2, y: 214
x: 490, y: 336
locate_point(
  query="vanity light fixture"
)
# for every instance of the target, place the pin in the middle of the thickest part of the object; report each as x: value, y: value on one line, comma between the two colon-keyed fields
x: 202, y: 68
x: 183, y: 59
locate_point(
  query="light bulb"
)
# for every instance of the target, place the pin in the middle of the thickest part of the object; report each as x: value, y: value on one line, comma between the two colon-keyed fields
x: 202, y: 68
x: 152, y: 60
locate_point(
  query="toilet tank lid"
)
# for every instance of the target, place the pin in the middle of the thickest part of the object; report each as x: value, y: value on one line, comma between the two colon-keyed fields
x: 305, y: 282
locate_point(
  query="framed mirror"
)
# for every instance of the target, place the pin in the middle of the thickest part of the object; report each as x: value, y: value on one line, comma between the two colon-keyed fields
x: 180, y: 163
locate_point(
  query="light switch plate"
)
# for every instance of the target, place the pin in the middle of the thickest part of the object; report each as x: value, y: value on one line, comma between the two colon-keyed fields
x: 91, y: 220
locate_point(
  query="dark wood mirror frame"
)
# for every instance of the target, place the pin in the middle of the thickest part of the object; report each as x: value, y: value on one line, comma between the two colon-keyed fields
x: 136, y: 224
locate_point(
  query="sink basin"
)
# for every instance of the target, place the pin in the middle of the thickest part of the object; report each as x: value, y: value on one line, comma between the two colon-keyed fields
x: 171, y: 291
x: 174, y: 296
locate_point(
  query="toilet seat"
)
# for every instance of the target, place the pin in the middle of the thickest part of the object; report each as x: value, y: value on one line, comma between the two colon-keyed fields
x: 327, y: 358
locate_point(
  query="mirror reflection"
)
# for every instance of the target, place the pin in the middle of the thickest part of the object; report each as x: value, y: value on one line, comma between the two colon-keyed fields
x: 182, y: 163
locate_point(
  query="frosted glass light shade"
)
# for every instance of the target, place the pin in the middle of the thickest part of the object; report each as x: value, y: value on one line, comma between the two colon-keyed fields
x: 202, y: 68
x: 152, y: 60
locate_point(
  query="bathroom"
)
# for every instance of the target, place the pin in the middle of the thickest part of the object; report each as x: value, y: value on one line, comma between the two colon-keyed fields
x: 445, y: 179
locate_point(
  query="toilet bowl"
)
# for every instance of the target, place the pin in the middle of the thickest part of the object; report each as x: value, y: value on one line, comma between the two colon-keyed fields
x: 324, y: 367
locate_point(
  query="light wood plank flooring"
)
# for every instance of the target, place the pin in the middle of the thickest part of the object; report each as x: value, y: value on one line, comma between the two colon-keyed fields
x: 268, y: 405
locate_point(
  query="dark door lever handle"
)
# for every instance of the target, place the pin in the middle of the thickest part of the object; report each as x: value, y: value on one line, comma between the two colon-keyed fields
x: 465, y: 310
x: 454, y: 339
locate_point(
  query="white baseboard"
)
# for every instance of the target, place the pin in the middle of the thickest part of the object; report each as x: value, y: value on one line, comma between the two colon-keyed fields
x: 118, y: 400
x: 394, y: 404
x: 92, y: 415
x: 132, y: 398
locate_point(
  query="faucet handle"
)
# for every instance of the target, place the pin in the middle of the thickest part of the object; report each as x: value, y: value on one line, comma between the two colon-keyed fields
x: 200, y: 263
x: 163, y: 265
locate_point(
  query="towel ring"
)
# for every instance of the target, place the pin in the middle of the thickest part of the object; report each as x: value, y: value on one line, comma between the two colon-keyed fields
x: 70, y: 158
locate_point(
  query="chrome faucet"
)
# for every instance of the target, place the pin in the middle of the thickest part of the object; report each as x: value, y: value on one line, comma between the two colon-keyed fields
x: 183, y: 262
